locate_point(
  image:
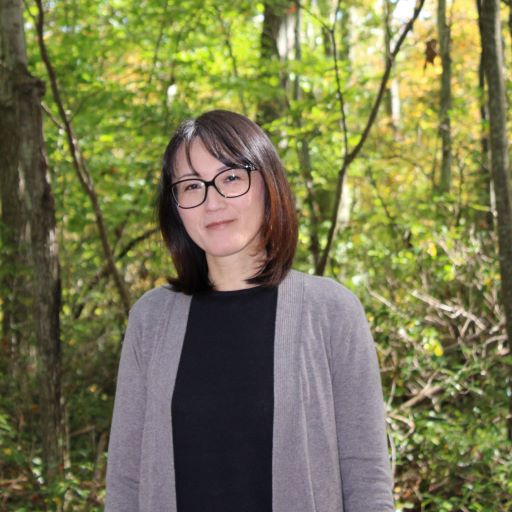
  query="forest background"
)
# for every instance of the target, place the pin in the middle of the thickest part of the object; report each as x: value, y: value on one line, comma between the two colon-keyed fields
x: 384, y: 113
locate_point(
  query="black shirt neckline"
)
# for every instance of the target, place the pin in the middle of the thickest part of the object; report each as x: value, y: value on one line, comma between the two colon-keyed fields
x: 234, y: 293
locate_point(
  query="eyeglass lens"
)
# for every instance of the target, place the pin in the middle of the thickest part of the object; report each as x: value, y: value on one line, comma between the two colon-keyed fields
x: 230, y: 183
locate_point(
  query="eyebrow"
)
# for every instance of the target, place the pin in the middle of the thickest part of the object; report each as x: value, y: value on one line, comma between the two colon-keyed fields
x: 194, y: 173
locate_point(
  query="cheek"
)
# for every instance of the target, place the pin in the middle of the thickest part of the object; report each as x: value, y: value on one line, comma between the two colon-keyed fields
x: 188, y: 221
x: 259, y: 203
x: 259, y: 212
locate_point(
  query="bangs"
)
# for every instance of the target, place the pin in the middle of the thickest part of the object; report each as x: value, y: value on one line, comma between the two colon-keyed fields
x: 222, y: 142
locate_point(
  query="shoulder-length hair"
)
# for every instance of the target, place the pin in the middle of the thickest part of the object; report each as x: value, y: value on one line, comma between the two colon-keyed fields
x: 233, y: 139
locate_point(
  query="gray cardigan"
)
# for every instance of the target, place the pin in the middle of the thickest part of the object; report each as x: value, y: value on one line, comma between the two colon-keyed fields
x: 329, y: 434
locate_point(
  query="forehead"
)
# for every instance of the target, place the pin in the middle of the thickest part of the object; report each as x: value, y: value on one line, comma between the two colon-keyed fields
x: 199, y: 160
x: 197, y: 155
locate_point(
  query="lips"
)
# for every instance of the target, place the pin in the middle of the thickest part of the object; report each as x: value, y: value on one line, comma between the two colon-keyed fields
x: 218, y: 224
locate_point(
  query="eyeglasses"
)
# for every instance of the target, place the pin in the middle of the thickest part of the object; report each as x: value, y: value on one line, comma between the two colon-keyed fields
x: 232, y: 182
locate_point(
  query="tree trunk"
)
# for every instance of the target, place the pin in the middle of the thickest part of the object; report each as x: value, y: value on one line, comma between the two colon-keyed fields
x: 443, y: 30
x: 392, y: 99
x: 14, y: 231
x: 493, y: 65
x: 303, y: 153
x: 484, y: 219
x: 273, y: 105
x: 509, y: 3
x: 27, y: 171
x: 344, y: 27
x: 325, y: 8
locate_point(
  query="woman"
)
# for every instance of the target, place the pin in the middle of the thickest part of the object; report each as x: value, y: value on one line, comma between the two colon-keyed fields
x: 243, y: 385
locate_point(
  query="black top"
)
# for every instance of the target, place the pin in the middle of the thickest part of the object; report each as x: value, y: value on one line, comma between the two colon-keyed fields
x: 223, y: 400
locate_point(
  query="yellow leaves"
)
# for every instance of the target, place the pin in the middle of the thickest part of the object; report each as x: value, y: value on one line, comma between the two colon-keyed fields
x: 433, y: 347
x: 431, y: 343
x: 432, y: 249
x: 491, y: 279
x: 303, y: 237
x: 106, y: 137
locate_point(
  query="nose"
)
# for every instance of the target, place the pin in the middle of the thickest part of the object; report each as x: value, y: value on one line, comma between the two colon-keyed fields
x: 214, y: 199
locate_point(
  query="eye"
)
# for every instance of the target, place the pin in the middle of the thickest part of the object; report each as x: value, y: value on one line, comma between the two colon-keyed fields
x: 192, y: 186
x: 232, y: 177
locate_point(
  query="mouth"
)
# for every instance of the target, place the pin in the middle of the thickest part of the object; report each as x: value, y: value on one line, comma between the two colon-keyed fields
x: 218, y: 224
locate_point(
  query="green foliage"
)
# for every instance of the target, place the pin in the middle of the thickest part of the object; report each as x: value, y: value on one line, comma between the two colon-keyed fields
x: 424, y: 264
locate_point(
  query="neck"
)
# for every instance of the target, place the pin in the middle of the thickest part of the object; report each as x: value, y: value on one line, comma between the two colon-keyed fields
x: 230, y: 272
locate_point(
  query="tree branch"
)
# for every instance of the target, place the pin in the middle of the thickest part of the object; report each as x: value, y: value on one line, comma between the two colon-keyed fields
x: 103, y: 271
x: 349, y: 156
x: 79, y: 164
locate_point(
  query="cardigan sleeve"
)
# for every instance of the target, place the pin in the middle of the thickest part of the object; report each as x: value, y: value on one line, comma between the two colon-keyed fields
x: 124, y: 450
x: 360, y: 417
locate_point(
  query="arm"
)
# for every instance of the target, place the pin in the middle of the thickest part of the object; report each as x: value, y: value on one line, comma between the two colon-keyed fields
x: 360, y: 417
x: 122, y: 480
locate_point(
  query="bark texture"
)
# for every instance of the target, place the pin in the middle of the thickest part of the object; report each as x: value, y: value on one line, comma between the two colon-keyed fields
x: 443, y: 30
x: 14, y: 231
x: 392, y: 98
x: 493, y: 66
x: 25, y: 171
x: 484, y: 219
x: 272, y: 106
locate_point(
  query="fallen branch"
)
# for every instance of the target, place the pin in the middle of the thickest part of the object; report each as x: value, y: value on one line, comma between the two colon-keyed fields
x: 453, y: 311
x: 427, y: 392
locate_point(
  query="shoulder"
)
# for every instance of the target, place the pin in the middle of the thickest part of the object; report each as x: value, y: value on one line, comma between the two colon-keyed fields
x: 149, y: 316
x: 329, y: 294
x: 153, y: 304
x: 153, y: 297
x: 331, y: 312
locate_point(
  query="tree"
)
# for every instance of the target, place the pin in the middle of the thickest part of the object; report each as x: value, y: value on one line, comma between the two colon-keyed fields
x: 493, y: 64
x: 392, y: 100
x: 26, y: 175
x: 485, y: 188
x: 273, y: 103
x: 15, y: 236
x: 443, y: 30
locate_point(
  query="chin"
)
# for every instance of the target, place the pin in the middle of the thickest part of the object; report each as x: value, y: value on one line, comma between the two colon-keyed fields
x: 219, y: 252
x: 230, y: 245
x: 230, y: 248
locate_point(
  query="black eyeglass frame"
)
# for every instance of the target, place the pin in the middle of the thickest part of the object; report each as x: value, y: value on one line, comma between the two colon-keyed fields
x: 248, y: 167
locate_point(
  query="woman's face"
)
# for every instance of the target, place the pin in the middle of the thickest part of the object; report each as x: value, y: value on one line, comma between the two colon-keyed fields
x: 222, y: 227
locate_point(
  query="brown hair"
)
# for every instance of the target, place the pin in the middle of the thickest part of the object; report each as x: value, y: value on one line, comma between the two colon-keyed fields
x: 232, y: 139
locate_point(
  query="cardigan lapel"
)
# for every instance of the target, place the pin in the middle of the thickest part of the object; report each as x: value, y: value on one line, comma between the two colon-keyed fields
x: 162, y: 379
x: 289, y: 454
